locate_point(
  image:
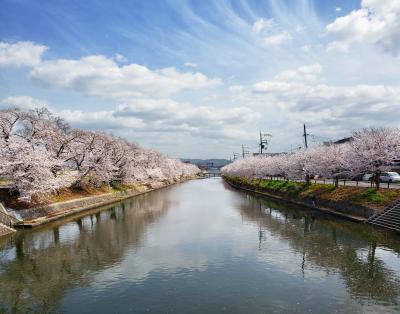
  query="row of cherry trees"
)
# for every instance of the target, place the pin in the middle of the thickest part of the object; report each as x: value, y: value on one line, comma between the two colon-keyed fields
x: 370, y: 151
x: 41, y: 154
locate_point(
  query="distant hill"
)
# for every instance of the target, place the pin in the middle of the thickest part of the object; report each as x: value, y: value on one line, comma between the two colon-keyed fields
x: 207, y: 162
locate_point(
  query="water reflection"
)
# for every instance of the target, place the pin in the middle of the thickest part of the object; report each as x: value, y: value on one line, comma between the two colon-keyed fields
x: 200, y: 247
x: 36, y: 268
x: 331, y: 246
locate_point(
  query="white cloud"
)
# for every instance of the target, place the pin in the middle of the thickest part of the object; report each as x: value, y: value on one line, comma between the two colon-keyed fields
x: 120, y: 58
x: 23, y: 102
x: 151, y: 115
x: 376, y: 22
x: 300, y: 28
x: 23, y: 53
x: 236, y: 88
x: 100, y: 120
x: 338, y: 9
x: 165, y: 116
x: 262, y: 25
x: 308, y: 73
x: 173, y: 114
x: 100, y: 76
x: 271, y: 34
x: 277, y: 39
x: 190, y: 64
x: 338, y: 109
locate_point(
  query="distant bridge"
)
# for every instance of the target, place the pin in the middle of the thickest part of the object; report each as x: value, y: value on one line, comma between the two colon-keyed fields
x: 211, y: 173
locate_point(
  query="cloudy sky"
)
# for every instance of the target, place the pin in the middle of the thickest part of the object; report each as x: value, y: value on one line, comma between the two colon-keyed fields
x: 201, y: 78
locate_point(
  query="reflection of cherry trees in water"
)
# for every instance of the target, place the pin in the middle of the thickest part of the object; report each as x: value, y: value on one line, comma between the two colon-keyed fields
x: 330, y: 246
x: 48, y: 262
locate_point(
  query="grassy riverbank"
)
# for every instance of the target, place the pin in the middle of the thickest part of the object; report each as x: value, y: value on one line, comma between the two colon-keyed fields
x: 68, y: 194
x: 71, y: 204
x: 62, y: 195
x: 324, y: 194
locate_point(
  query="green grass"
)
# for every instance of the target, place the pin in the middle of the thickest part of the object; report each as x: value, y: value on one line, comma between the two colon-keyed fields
x: 372, y: 195
x: 368, y: 197
x: 4, y: 181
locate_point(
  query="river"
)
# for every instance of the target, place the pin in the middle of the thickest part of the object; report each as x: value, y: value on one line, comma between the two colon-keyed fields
x: 200, y: 247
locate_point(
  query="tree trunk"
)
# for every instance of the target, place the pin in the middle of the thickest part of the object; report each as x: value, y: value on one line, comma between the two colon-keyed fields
x: 377, y: 179
x: 336, y: 181
x: 307, y: 179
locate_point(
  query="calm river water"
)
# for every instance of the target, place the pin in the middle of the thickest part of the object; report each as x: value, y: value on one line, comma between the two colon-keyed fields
x: 200, y: 247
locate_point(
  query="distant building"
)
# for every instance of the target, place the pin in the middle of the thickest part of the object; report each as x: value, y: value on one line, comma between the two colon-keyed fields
x: 341, y: 141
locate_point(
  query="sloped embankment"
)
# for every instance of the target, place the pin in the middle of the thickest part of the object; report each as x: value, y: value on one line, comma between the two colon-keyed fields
x: 349, y: 202
x: 32, y: 217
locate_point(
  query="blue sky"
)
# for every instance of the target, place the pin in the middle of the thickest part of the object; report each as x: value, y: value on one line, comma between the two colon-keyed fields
x: 200, y: 78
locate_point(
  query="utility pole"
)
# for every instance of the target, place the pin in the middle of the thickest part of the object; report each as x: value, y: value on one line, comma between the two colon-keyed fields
x: 263, y: 141
x: 305, y: 144
x: 235, y: 156
x: 305, y: 136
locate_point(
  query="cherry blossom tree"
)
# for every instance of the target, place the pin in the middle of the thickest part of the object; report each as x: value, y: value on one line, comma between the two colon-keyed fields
x: 373, y: 150
x: 41, y: 154
x: 330, y: 161
x: 370, y: 151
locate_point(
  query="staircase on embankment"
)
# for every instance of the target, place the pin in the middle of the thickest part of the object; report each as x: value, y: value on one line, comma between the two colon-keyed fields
x: 6, y: 221
x: 389, y: 218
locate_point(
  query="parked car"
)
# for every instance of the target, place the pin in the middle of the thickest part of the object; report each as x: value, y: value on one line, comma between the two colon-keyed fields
x: 367, y: 177
x: 390, y: 177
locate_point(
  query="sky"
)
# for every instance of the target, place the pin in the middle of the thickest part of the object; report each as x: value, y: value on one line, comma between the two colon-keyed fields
x: 197, y: 79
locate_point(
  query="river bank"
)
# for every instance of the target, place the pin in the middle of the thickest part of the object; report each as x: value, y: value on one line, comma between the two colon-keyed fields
x: 357, y: 204
x: 37, y: 216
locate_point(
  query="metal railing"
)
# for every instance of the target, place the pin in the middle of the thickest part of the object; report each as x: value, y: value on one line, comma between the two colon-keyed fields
x: 342, y: 182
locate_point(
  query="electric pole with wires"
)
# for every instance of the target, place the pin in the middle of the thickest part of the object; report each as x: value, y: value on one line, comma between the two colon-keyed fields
x: 263, y: 141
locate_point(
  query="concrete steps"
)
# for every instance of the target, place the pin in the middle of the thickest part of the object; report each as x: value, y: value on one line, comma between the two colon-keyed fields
x: 390, y: 218
x: 6, y: 230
